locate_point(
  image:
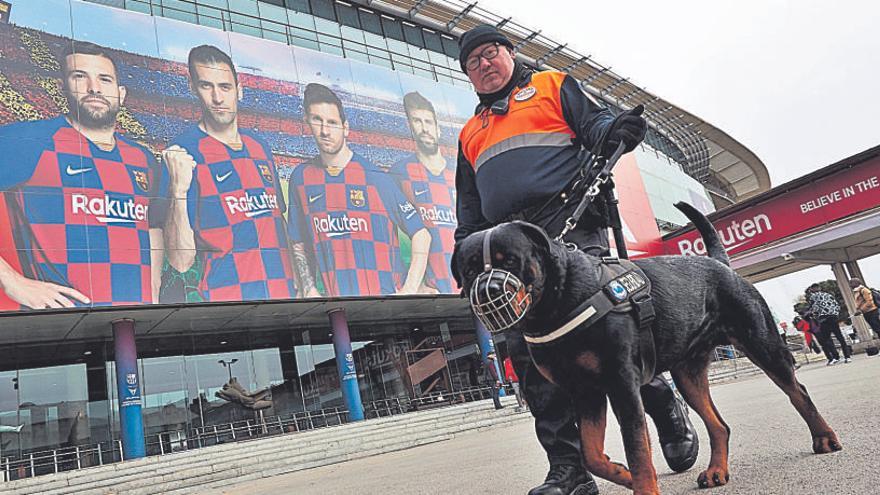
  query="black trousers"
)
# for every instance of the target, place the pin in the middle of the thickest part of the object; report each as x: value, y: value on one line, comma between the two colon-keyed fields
x: 829, y: 328
x: 873, y: 319
x: 555, y: 418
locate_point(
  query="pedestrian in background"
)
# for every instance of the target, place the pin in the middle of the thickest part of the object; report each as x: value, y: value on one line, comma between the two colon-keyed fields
x: 824, y: 308
x: 803, y: 326
x: 492, y: 375
x: 865, y: 304
x: 513, y: 380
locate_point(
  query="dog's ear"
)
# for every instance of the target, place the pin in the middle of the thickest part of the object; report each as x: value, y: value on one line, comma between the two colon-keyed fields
x: 536, y: 234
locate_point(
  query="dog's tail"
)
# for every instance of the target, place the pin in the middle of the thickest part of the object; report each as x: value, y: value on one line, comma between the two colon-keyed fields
x: 710, y: 236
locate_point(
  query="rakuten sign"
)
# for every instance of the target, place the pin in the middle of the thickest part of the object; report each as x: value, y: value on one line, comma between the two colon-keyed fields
x: 830, y: 195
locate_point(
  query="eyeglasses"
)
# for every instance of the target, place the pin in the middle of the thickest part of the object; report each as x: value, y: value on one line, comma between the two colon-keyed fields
x: 488, y: 53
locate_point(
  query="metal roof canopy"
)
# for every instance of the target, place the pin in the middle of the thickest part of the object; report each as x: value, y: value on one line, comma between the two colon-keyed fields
x: 69, y: 325
x: 850, y: 238
x: 729, y: 170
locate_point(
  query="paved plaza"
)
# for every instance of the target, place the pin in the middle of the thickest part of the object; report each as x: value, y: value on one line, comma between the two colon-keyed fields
x: 770, y: 449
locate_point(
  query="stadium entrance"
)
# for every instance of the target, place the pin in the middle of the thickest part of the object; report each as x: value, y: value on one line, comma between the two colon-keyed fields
x: 207, y: 368
x: 830, y: 217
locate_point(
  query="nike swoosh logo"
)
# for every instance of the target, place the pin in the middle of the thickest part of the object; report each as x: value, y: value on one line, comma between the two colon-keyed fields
x: 257, y: 213
x: 312, y: 199
x: 221, y: 178
x: 77, y: 171
x: 419, y: 193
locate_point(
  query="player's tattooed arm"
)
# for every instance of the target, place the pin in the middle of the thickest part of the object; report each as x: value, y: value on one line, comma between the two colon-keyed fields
x: 178, y: 233
x: 421, y: 247
x: 303, y: 272
x: 35, y: 293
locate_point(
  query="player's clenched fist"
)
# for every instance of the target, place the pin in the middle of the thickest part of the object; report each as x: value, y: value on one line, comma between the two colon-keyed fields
x: 180, y: 169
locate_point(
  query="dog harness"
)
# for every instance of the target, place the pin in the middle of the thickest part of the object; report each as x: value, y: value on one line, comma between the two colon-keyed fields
x: 624, y: 289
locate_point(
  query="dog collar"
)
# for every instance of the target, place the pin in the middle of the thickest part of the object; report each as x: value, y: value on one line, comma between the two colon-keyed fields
x: 631, y: 286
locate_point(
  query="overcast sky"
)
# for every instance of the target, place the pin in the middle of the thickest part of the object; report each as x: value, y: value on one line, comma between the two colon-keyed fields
x: 795, y: 82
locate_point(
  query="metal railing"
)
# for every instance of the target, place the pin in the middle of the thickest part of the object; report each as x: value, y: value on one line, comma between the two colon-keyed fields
x: 728, y: 362
x: 63, y: 459
x: 38, y: 463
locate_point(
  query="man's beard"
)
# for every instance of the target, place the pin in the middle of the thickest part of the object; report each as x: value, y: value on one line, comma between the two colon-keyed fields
x: 427, y: 148
x: 91, y: 119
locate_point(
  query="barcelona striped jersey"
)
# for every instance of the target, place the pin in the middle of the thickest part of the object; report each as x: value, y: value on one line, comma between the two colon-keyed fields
x: 434, y: 198
x: 349, y: 221
x: 235, y: 208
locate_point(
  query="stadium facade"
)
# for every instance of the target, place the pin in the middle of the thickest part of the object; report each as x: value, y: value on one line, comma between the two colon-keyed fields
x: 271, y: 282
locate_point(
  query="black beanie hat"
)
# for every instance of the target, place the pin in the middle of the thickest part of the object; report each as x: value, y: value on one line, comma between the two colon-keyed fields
x: 484, y: 33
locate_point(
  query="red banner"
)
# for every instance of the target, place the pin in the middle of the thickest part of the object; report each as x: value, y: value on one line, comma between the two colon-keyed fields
x: 830, y: 198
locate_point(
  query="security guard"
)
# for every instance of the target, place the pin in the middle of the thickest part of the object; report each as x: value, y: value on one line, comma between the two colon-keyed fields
x: 516, y: 154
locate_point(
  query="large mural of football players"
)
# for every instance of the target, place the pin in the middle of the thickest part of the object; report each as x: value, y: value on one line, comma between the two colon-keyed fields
x: 164, y: 161
x: 344, y: 212
x: 231, y: 224
x: 428, y: 180
x: 82, y: 198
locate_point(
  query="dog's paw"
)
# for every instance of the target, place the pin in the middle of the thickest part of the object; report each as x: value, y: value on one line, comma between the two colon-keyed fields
x: 827, y: 443
x: 713, y: 477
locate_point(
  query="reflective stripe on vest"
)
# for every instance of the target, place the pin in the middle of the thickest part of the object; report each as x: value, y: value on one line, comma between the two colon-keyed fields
x: 532, y: 121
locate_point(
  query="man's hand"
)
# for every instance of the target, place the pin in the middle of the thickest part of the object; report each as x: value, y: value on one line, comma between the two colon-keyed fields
x: 40, y: 295
x: 629, y: 128
x: 180, y: 169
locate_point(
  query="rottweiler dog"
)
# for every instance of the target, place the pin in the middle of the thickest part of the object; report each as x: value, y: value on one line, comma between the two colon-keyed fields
x: 699, y: 303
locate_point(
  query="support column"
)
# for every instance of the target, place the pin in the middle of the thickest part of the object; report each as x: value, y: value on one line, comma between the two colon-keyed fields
x: 859, y: 323
x: 128, y: 387
x: 487, y: 345
x: 348, y: 381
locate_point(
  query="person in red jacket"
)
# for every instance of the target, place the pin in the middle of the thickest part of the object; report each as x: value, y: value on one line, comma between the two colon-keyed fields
x: 803, y: 326
x: 513, y: 380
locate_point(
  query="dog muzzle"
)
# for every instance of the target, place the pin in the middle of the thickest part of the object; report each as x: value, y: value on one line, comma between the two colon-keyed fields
x: 498, y: 298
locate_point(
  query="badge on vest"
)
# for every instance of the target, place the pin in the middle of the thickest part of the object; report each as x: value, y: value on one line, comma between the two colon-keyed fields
x: 625, y: 285
x: 525, y: 93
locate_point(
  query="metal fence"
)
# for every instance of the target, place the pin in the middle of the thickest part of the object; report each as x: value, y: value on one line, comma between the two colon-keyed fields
x: 52, y: 461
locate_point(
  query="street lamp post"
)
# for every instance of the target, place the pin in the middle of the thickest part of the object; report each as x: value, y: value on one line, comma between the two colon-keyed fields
x: 228, y: 365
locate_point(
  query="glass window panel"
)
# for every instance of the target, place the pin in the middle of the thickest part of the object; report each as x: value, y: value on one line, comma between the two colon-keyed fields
x: 298, y: 5
x: 275, y: 35
x: 180, y: 16
x: 450, y: 47
x: 138, y: 6
x: 330, y: 40
x: 220, y: 4
x: 352, y: 34
x: 244, y: 6
x: 398, y: 47
x: 273, y: 13
x: 384, y: 62
x: 326, y: 27
x: 413, y: 35
x: 332, y: 49
x: 243, y: 19
x: 348, y: 16
x: 432, y: 41
x: 303, y: 34
x: 323, y: 8
x: 370, y: 22
x: 211, y: 22
x: 249, y: 30
x: 211, y: 12
x: 393, y: 29
x: 305, y: 43
x: 302, y: 20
